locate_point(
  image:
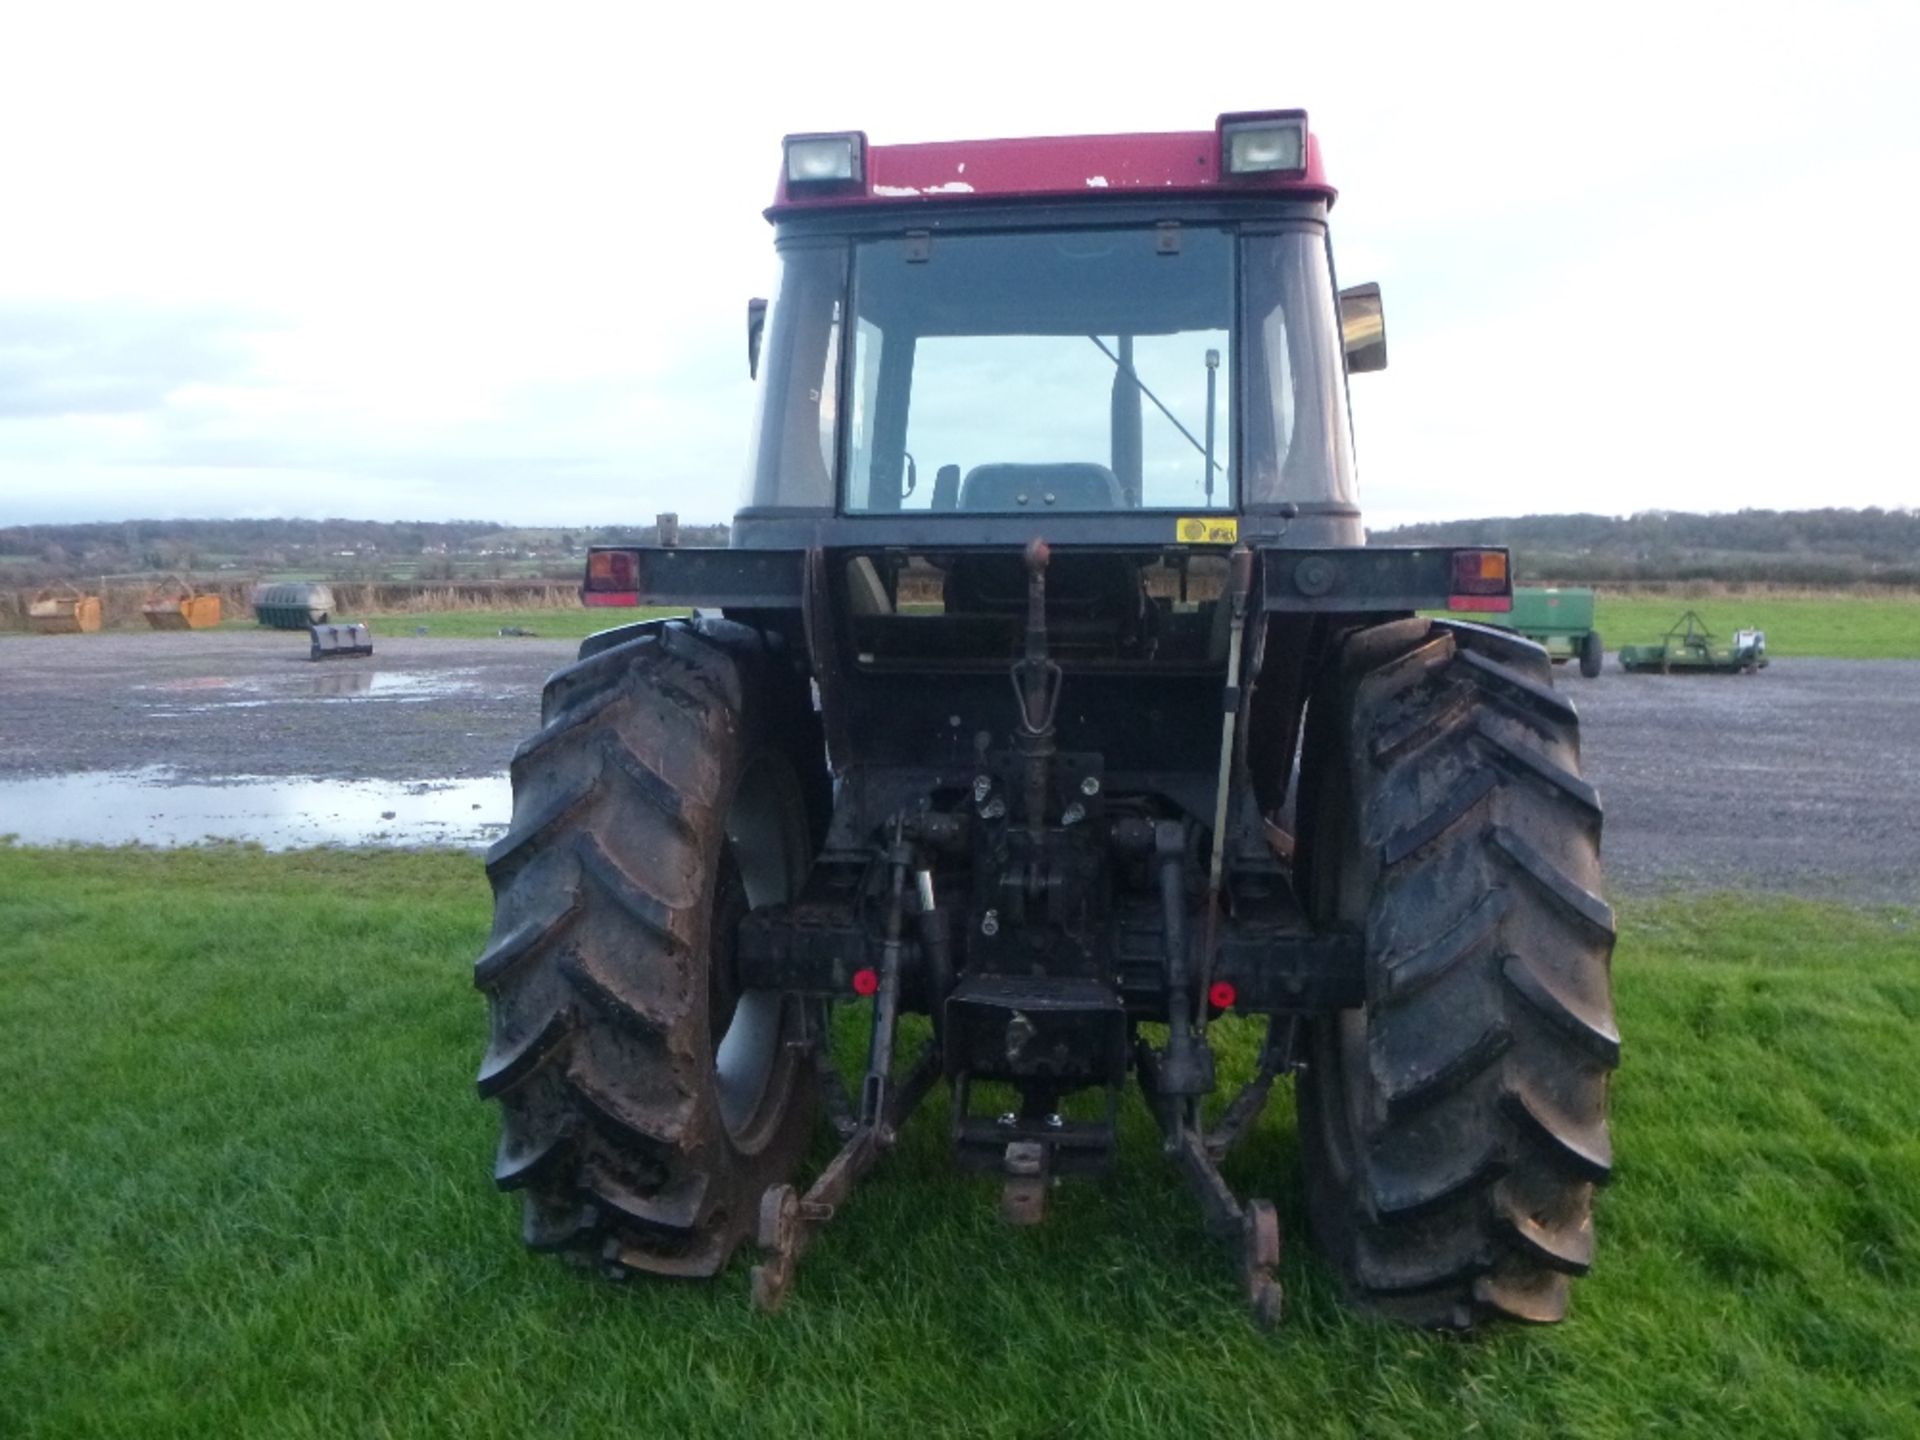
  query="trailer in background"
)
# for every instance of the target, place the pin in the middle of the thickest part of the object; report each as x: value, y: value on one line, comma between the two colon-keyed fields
x: 1560, y: 619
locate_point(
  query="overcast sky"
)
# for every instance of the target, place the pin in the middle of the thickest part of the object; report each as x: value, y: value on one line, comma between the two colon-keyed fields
x: 407, y: 261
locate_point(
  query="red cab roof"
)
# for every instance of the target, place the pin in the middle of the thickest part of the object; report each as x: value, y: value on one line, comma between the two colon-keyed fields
x: 1053, y: 167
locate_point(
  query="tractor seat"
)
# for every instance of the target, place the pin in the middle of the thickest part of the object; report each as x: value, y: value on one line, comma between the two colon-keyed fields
x: 1029, y: 488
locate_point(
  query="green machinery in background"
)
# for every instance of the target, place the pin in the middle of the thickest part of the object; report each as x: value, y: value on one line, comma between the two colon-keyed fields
x: 1561, y: 620
x: 1689, y: 645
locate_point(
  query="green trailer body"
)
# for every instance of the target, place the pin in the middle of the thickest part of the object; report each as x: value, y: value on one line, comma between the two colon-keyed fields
x: 1689, y: 645
x: 1559, y: 620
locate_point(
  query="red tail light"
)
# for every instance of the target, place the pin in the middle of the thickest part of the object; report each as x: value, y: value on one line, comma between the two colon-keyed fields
x: 613, y: 570
x: 1480, y: 581
x: 613, y: 578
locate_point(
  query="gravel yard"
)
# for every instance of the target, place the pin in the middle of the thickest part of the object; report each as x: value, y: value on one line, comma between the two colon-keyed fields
x: 1803, y: 779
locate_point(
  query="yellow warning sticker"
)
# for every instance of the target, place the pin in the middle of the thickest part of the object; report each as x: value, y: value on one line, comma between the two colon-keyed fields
x: 1207, y: 529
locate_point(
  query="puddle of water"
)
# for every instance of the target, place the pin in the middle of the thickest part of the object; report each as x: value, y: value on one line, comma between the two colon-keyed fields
x: 196, y: 682
x: 117, y: 807
x: 322, y: 683
x: 414, y: 685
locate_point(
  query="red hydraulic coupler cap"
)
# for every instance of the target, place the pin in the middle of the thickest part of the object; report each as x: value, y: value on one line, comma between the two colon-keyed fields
x: 1221, y: 995
x: 866, y: 981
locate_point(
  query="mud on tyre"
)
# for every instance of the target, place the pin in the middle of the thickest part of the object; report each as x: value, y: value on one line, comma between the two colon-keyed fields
x: 1455, y: 1127
x: 645, y: 1103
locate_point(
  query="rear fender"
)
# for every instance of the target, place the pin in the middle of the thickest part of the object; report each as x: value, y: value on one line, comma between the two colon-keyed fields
x: 620, y: 635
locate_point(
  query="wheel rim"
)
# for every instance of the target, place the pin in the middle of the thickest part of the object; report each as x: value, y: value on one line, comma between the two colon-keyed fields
x: 753, y: 1064
x: 745, y: 1061
x: 1339, y: 1075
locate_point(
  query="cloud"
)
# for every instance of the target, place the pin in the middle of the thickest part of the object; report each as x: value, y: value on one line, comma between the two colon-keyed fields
x: 99, y: 358
x: 424, y: 260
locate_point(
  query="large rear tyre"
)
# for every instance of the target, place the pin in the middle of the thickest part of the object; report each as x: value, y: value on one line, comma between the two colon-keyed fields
x: 646, y: 1104
x: 1455, y: 1127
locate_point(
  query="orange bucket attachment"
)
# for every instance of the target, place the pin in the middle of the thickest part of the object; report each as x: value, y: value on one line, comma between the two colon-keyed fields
x: 175, y: 605
x: 63, y: 610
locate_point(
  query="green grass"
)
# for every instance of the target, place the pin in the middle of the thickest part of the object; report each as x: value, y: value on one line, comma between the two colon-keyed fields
x: 1880, y: 627
x: 575, y: 623
x: 1859, y: 627
x: 572, y: 623
x: 1877, y: 627
x: 247, y: 1193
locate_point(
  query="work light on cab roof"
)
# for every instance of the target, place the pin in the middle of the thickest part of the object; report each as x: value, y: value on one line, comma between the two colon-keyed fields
x: 825, y: 162
x: 1048, y: 689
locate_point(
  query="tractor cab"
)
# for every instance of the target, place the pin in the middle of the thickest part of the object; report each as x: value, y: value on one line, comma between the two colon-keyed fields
x: 1138, y: 334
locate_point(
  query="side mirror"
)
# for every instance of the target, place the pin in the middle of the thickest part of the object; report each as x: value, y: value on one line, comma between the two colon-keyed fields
x: 1363, y: 328
x: 756, y: 325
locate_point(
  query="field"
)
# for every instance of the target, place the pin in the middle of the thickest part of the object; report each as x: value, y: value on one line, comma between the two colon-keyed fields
x: 563, y: 623
x: 1863, y: 627
x: 249, y: 1196
x: 1876, y: 627
x: 1879, y: 626
x: 557, y: 622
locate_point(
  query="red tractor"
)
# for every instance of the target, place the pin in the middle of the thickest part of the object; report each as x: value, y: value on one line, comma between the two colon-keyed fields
x: 1049, y: 689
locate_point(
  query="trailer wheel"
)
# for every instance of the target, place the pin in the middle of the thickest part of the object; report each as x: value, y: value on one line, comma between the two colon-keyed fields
x: 1455, y: 1127
x: 645, y: 1103
x: 1593, y: 654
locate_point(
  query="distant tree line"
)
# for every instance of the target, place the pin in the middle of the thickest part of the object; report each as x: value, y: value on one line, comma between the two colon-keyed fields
x: 369, y: 550
x: 1796, y: 547
x: 1799, y: 547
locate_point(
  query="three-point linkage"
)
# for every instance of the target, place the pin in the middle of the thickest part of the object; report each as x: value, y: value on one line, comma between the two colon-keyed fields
x: 789, y: 1220
x: 1031, y: 1145
x: 1178, y: 1077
